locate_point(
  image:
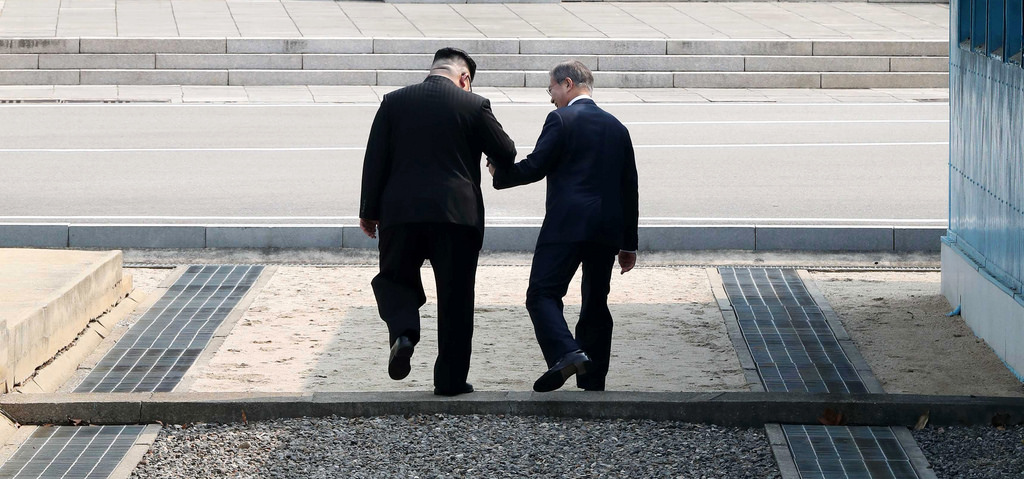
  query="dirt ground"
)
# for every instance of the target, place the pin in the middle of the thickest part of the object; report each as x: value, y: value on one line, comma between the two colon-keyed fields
x: 898, y: 322
x: 317, y: 329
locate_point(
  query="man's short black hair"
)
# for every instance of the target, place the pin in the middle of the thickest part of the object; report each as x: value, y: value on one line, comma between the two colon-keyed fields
x: 451, y: 53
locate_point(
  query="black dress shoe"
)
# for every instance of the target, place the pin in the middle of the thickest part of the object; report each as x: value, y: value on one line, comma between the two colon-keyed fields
x: 465, y: 389
x: 401, y: 351
x: 572, y: 363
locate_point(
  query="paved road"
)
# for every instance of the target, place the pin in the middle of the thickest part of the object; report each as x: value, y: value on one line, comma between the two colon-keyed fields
x: 699, y: 163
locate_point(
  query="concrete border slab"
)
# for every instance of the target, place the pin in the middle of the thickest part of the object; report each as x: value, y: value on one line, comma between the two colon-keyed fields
x: 671, y: 238
x: 743, y: 409
x: 511, y: 238
x: 824, y: 238
x: 780, y: 448
x: 34, y: 235
x: 908, y: 238
x: 353, y: 237
x: 136, y: 236
x: 264, y: 236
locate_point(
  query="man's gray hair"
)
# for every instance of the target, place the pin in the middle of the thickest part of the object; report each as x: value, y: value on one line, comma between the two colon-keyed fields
x: 576, y: 71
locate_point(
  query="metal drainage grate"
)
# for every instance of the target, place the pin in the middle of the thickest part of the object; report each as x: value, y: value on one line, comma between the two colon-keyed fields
x: 789, y: 339
x: 156, y: 352
x: 794, y: 349
x: 87, y: 452
x: 834, y: 452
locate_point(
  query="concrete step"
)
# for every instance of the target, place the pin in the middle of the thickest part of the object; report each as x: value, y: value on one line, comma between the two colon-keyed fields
x: 48, y: 297
x: 537, y: 79
x: 478, y: 46
x: 486, y: 62
x: 639, y: 63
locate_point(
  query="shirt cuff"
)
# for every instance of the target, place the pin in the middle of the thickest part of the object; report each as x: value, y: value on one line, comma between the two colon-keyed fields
x: 625, y: 251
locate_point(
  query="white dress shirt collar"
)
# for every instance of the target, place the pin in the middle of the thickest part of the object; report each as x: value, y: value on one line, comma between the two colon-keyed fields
x: 579, y: 98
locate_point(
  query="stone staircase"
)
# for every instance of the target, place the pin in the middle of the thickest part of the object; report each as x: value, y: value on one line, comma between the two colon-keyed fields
x: 639, y: 63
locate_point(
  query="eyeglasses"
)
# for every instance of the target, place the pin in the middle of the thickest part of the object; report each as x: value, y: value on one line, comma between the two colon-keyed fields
x: 549, y: 87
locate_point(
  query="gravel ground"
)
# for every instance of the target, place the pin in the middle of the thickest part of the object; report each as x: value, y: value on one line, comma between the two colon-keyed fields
x: 981, y: 452
x: 459, y: 446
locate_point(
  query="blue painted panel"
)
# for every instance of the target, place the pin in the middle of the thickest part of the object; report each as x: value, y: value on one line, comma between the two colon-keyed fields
x: 986, y: 161
x: 996, y: 28
x: 964, y: 28
x: 1014, y: 29
x: 979, y: 22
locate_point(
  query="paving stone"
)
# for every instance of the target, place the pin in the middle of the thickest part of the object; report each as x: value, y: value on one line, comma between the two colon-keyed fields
x: 91, y: 61
x: 885, y: 80
x: 431, y: 45
x: 747, y: 80
x: 154, y: 77
x: 19, y: 61
x: 300, y: 45
x: 228, y: 62
x: 369, y: 62
x: 919, y: 64
x: 739, y: 47
x: 39, y: 77
x: 591, y: 46
x: 39, y: 45
x: 302, y: 77
x: 816, y: 64
x: 936, y: 48
x: 153, y: 45
x: 671, y: 63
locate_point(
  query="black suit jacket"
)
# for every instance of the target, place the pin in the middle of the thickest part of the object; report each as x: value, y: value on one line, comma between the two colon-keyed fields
x: 592, y: 191
x: 422, y: 162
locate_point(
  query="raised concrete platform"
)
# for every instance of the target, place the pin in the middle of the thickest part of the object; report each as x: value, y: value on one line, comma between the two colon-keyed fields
x: 48, y: 297
x: 993, y: 308
x: 726, y: 409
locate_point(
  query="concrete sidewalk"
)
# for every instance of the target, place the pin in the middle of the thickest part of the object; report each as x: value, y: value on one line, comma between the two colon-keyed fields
x: 292, y: 19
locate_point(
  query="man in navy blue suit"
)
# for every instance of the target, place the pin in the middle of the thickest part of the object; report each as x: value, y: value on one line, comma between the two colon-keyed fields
x: 592, y: 213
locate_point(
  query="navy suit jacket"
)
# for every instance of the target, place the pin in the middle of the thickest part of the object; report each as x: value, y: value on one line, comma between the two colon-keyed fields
x: 592, y: 192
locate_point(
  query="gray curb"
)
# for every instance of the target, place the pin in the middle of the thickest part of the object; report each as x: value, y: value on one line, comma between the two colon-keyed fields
x: 726, y: 409
x: 496, y: 237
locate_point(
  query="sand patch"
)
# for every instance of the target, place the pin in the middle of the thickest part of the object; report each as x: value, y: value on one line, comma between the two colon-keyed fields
x: 898, y: 322
x: 317, y: 329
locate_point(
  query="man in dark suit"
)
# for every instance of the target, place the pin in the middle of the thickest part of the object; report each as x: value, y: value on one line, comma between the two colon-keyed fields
x: 592, y: 214
x: 421, y: 189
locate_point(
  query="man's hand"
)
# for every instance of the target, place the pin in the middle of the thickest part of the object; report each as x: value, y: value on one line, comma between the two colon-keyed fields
x: 491, y: 168
x: 626, y: 261
x: 369, y: 227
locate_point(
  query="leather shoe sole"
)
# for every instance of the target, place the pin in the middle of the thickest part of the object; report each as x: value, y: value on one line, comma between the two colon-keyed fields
x: 398, y: 364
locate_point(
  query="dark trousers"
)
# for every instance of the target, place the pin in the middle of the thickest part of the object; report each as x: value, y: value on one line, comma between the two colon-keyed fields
x: 554, y: 265
x: 453, y: 251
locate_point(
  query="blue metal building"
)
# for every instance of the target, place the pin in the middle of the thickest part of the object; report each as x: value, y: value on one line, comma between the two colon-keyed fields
x: 983, y: 254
